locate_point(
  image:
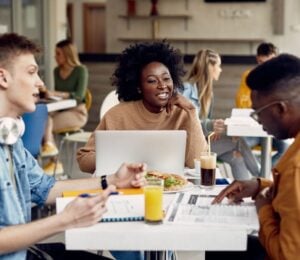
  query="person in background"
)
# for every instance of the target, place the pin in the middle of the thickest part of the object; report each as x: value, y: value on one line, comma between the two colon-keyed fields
x: 147, y: 76
x: 70, y: 81
x: 23, y: 182
x: 265, y: 51
x: 275, y: 96
x: 205, y: 69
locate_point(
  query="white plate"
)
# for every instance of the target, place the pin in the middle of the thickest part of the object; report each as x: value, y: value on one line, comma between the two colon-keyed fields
x: 191, y: 173
x: 187, y: 187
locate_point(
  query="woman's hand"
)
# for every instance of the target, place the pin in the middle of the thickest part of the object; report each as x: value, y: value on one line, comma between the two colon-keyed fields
x: 180, y: 101
x: 49, y: 93
x: 82, y: 212
x: 128, y: 175
x: 43, y: 92
x: 218, y: 128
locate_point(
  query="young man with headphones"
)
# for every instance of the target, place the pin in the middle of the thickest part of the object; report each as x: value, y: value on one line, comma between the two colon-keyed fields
x: 22, y: 181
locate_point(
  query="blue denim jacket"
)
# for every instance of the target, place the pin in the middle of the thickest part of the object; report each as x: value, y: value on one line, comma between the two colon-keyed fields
x: 190, y: 91
x: 32, y: 186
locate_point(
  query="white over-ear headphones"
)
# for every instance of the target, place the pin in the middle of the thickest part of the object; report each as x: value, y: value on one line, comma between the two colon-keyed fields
x: 11, y: 129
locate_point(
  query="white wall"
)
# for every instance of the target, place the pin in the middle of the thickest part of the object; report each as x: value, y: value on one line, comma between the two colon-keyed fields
x: 222, y: 22
x: 217, y: 22
x: 55, y: 30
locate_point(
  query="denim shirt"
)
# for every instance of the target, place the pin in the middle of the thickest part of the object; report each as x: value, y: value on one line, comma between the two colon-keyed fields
x: 32, y: 186
x: 190, y: 91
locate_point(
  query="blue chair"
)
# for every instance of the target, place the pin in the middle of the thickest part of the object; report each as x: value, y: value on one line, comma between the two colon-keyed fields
x: 35, y: 124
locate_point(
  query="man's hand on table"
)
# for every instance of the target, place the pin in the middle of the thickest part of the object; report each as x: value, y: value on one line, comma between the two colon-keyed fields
x: 238, y: 190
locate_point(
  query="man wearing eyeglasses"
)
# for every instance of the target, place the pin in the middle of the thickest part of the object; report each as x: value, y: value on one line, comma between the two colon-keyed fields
x: 275, y: 95
x: 264, y: 52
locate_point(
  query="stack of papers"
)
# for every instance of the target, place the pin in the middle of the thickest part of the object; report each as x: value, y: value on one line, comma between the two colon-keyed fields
x: 241, y: 124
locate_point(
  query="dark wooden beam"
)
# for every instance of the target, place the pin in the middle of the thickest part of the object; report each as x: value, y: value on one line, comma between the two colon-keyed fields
x: 113, y: 57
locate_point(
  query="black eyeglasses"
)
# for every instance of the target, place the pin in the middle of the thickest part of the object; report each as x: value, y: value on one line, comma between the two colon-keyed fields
x: 255, y: 113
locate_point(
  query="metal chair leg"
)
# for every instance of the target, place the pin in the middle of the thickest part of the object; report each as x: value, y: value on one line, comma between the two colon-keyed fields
x: 58, y: 155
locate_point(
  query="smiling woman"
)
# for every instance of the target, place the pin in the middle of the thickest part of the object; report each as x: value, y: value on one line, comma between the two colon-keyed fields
x: 147, y: 76
x: 157, y: 86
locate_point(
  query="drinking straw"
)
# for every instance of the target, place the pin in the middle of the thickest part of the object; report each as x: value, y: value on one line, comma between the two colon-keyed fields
x: 209, y: 136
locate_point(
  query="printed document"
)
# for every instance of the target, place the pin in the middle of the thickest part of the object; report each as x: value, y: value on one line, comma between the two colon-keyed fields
x: 195, y: 207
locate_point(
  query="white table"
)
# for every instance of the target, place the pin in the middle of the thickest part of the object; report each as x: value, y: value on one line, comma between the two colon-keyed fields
x: 141, y: 236
x: 61, y: 104
x: 243, y: 125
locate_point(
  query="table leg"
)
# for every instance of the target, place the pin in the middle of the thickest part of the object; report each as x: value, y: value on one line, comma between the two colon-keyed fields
x: 266, y: 156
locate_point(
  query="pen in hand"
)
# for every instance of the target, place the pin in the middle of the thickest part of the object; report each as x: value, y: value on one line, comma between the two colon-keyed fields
x: 84, y: 195
x: 87, y: 195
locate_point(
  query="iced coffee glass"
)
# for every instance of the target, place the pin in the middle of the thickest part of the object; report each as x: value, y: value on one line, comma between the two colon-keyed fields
x: 208, y: 162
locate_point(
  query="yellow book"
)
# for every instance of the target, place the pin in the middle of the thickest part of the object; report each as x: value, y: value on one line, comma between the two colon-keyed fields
x: 75, y: 193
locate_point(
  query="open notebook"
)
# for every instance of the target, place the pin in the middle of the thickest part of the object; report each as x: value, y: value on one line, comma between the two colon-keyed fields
x: 119, y: 207
x: 162, y: 150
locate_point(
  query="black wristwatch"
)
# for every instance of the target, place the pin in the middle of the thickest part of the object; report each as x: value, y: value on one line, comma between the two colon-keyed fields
x: 103, y: 182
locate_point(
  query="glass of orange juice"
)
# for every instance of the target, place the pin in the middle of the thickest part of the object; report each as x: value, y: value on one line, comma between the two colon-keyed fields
x: 153, y: 192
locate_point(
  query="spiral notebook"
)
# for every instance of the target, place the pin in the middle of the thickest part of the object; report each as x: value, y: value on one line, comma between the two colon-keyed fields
x: 119, y: 207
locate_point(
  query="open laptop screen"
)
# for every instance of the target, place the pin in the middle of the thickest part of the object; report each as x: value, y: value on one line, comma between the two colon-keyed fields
x: 162, y: 150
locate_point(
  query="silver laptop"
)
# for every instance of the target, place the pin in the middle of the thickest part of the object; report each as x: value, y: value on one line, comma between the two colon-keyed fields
x: 162, y: 150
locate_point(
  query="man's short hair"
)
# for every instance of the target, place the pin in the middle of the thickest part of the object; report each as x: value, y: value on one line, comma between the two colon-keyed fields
x: 266, y: 49
x: 276, y: 75
x: 12, y: 45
